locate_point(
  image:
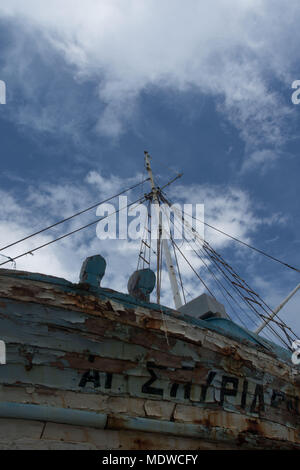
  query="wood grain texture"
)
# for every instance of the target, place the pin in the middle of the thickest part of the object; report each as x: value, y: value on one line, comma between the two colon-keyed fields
x: 150, y: 376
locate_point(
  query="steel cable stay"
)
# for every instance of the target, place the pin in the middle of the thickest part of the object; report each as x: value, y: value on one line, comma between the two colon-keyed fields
x: 195, y: 234
x: 144, y: 244
x: 12, y: 259
x: 249, y: 290
x: 190, y: 263
x: 252, y: 308
x: 140, y: 201
x: 179, y: 273
x: 177, y: 266
x: 226, y: 265
x: 223, y: 290
x: 241, y: 305
x: 184, y: 288
x: 239, y: 292
x: 233, y: 298
x: 214, y: 258
x: 145, y: 238
x: 248, y: 304
x: 250, y: 298
x: 160, y: 262
x: 219, y: 284
x: 193, y: 269
x: 258, y: 250
x: 216, y: 280
x: 74, y: 215
x: 247, y: 300
x: 199, y: 277
x: 265, y: 307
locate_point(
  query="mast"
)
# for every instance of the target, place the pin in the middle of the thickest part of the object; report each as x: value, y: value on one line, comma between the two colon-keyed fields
x: 164, y: 242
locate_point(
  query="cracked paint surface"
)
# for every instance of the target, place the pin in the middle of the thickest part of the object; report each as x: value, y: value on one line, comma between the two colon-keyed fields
x: 94, y: 359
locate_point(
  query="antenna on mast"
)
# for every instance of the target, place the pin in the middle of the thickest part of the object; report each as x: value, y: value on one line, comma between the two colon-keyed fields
x: 164, y: 243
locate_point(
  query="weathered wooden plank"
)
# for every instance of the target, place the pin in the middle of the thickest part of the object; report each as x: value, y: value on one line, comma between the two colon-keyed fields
x: 113, y: 354
x: 176, y: 376
x: 235, y: 423
x: 95, y: 305
x: 53, y: 436
x: 229, y: 359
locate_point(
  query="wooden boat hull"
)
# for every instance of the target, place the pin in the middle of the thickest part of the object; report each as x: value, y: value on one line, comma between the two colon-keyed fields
x: 94, y: 369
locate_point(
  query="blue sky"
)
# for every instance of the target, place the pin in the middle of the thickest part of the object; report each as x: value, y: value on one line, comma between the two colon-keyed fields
x: 204, y: 86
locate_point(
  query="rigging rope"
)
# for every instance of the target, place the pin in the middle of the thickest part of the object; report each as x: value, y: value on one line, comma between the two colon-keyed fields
x: 216, y: 259
x: 74, y: 215
x: 219, y: 283
x: 247, y: 245
x: 71, y: 233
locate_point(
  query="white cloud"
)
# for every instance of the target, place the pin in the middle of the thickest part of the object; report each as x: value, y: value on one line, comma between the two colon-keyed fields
x: 49, y: 203
x: 229, y: 209
x: 229, y: 49
x: 112, y: 185
x: 261, y: 159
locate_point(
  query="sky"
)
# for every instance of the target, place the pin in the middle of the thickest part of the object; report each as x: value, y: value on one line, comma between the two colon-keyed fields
x: 205, y: 87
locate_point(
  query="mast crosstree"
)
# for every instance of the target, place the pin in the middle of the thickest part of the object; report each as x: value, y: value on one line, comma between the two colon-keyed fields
x: 246, y: 307
x: 163, y: 242
x: 244, y: 302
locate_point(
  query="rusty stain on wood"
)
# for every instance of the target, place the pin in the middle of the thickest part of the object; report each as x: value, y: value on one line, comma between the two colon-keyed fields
x: 74, y: 348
